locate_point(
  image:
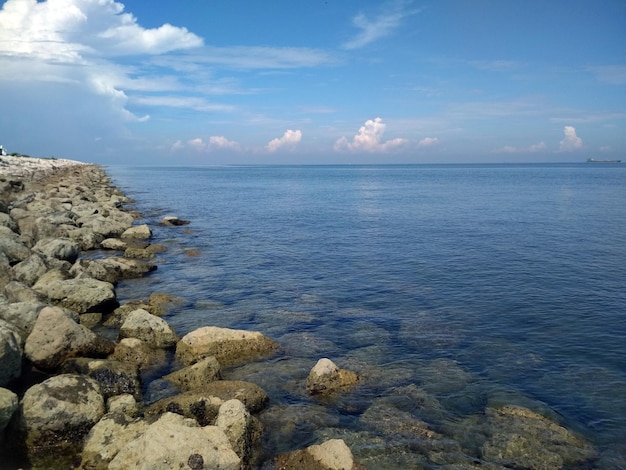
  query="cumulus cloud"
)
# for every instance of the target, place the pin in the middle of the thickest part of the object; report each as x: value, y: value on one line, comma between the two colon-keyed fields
x: 288, y: 141
x: 571, y: 141
x: 369, y: 139
x: 428, y: 142
x: 221, y: 142
x: 215, y: 142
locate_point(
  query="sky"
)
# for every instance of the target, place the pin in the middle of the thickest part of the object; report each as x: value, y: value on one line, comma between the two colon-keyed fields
x: 207, y: 82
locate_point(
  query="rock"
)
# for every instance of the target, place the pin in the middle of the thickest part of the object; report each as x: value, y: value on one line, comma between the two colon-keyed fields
x: 172, y: 221
x: 326, y: 378
x: 81, y: 295
x: 153, y: 330
x: 197, y: 376
x: 10, y: 354
x: 124, y: 403
x: 138, y: 253
x: 112, y: 433
x: 57, y: 337
x: 30, y: 270
x: 251, y: 395
x: 18, y: 292
x: 128, y: 268
x: 60, y: 411
x: 114, y: 377
x: 523, y: 438
x: 241, y: 428
x: 176, y: 442
x: 330, y: 455
x: 85, y: 238
x: 136, y: 351
x: 58, y: 248
x: 108, y: 227
x: 203, y: 407
x: 140, y: 231
x: 8, y: 406
x: 13, y: 250
x: 228, y: 346
x: 160, y: 303
x: 22, y: 316
x: 113, y: 244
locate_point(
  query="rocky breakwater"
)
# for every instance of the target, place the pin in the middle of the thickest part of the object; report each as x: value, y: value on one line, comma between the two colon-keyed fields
x: 71, y: 397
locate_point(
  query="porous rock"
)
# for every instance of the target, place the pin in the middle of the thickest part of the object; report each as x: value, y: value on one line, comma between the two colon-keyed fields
x: 153, y: 330
x: 79, y: 294
x: 330, y: 455
x: 136, y: 351
x: 227, y: 345
x: 196, y: 376
x: 114, y: 377
x: 139, y: 231
x: 8, y: 405
x: 10, y: 354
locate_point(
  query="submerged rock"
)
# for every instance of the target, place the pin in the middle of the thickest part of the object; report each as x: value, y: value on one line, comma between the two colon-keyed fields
x: 327, y: 378
x: 228, y: 346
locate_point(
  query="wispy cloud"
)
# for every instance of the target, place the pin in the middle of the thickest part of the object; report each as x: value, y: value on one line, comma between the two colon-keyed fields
x: 613, y: 74
x: 369, y: 139
x: 541, y: 146
x: 199, y: 145
x: 428, y: 142
x: 379, y: 26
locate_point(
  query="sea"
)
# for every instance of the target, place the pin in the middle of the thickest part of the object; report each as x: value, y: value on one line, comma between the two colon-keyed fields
x: 448, y: 288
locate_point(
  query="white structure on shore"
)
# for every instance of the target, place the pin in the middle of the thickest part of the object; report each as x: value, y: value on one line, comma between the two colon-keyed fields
x: 2, y: 151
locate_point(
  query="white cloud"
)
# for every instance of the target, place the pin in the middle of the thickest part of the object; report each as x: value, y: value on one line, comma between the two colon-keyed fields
x: 200, y: 145
x: 379, y: 27
x: 571, y: 141
x: 222, y: 142
x: 369, y: 139
x: 428, y: 142
x: 530, y: 149
x: 289, y: 140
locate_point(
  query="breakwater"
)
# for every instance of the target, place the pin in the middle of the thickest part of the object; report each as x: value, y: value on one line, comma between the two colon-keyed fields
x: 404, y: 425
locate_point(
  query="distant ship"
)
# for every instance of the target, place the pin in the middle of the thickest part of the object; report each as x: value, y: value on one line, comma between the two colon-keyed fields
x: 593, y: 160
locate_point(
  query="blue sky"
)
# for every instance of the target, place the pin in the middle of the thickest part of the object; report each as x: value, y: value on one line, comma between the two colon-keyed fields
x: 246, y: 81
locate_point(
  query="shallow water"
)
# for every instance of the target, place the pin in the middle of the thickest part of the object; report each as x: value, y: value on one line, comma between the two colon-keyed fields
x: 470, y: 285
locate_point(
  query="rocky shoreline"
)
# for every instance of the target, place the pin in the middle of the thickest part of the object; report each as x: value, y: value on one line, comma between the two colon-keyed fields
x: 71, y: 395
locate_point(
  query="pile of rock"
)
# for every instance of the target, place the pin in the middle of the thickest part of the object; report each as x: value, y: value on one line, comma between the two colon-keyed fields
x: 70, y: 397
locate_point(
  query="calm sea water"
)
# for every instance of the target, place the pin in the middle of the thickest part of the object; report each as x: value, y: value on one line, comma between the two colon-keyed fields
x: 477, y: 284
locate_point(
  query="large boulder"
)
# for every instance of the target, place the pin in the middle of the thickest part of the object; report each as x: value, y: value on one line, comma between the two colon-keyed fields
x: 22, y: 316
x: 330, y: 455
x: 114, y: 377
x: 228, y: 346
x: 241, y: 428
x: 326, y: 377
x: 176, y: 442
x: 141, y: 232
x: 60, y: 411
x: 153, y: 330
x: 30, y: 270
x: 14, y: 250
x: 56, y: 337
x: 113, y: 269
x: 196, y: 376
x: 525, y: 439
x: 10, y: 354
x: 79, y: 294
x: 138, y: 352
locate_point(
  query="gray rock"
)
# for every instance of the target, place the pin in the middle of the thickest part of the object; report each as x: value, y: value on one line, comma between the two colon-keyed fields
x: 30, y: 270
x: 153, y: 330
x: 176, y: 442
x: 10, y: 354
x: 113, y: 244
x: 57, y: 337
x: 138, y: 352
x: 14, y: 250
x: 17, y: 292
x: 241, y: 428
x: 196, y: 376
x: 124, y: 403
x: 8, y: 406
x: 81, y: 295
x: 228, y: 346
x: 60, y: 411
x: 85, y: 238
x: 22, y: 315
x: 172, y: 221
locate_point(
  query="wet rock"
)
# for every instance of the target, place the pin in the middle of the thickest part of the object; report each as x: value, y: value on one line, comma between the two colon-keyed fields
x: 136, y: 351
x: 60, y: 411
x: 140, y: 231
x: 114, y: 377
x: 175, y: 442
x: 10, y: 354
x: 81, y: 295
x: 203, y: 407
x: 241, y: 428
x: 8, y: 406
x: 326, y: 377
x: 57, y: 337
x: 523, y: 438
x: 251, y: 395
x: 153, y: 330
x: 105, y: 440
x: 197, y: 376
x: 330, y: 455
x: 227, y: 345
x: 172, y: 221
x: 160, y: 303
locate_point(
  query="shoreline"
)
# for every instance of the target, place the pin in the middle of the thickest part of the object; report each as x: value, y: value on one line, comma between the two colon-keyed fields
x: 211, y: 408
